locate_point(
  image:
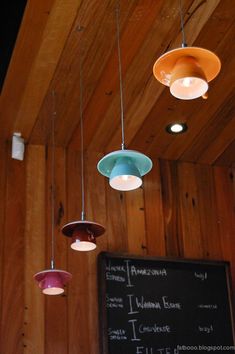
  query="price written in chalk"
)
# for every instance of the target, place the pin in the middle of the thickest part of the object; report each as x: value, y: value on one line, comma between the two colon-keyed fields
x: 205, y: 329
x: 201, y: 275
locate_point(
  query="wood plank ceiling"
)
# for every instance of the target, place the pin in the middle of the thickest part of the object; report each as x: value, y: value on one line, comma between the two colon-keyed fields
x: 56, y: 34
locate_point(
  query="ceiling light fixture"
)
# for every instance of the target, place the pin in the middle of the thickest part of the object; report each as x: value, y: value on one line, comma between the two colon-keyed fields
x: 52, y: 281
x: 82, y: 232
x: 176, y: 128
x: 124, y: 168
x: 187, y: 70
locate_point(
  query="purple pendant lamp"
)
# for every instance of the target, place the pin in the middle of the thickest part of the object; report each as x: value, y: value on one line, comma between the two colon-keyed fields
x: 83, y: 232
x: 52, y: 281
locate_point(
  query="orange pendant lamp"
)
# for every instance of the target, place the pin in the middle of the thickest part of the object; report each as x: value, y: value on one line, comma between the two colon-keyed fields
x: 187, y: 70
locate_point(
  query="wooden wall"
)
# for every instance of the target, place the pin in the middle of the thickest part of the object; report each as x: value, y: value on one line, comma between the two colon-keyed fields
x: 184, y: 210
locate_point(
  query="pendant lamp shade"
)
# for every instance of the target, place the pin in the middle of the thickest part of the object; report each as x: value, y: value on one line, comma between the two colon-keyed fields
x: 83, y: 233
x: 187, y: 71
x: 52, y: 281
x: 124, y: 169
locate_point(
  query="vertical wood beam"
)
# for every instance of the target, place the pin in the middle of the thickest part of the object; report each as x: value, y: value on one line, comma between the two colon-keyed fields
x: 34, y: 243
x: 56, y: 306
x: 225, y: 199
x: 154, y: 212
x: 3, y: 168
x: 208, y: 212
x: 13, y: 259
x: 189, y: 208
x: 136, y: 231
x: 171, y: 210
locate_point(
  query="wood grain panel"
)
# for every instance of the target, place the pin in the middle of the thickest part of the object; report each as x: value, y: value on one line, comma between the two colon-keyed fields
x: 171, y: 209
x: 227, y: 158
x: 3, y: 168
x: 136, y: 228
x: 189, y: 209
x: 225, y: 197
x: 56, y: 306
x: 13, y: 259
x: 58, y: 26
x: 153, y: 202
x: 91, y: 40
x: 206, y: 193
x: 131, y: 42
x: 34, y: 243
x: 221, y: 142
x: 116, y: 220
x: 26, y: 49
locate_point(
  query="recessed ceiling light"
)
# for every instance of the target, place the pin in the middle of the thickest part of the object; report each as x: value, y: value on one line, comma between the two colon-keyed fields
x: 176, y: 128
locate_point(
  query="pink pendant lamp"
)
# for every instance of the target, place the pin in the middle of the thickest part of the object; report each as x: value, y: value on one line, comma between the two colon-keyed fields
x: 52, y: 281
x: 83, y: 232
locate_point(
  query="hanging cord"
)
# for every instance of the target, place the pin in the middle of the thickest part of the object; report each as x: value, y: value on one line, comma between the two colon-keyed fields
x: 120, y: 75
x: 53, y: 181
x: 184, y: 44
x: 83, y: 215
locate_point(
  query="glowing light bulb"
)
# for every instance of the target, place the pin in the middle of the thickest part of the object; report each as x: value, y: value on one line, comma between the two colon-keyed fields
x: 125, y: 177
x: 53, y: 291
x: 83, y: 246
x: 187, y: 82
x: 176, y: 128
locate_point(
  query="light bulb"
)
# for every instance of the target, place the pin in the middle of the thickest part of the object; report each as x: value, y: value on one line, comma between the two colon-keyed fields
x: 53, y: 291
x: 125, y: 177
x: 176, y: 128
x: 187, y: 81
x: 83, y: 246
x: 125, y: 182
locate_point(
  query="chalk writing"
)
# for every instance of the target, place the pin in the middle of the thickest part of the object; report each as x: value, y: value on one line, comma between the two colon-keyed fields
x: 114, y: 277
x: 154, y: 329
x: 170, y: 305
x: 148, y: 272
x: 206, y: 329
x: 208, y: 306
x: 201, y: 276
x: 117, y: 334
x: 114, y: 302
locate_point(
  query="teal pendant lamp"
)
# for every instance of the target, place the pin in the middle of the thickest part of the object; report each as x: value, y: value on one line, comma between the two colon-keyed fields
x: 82, y: 232
x: 124, y: 168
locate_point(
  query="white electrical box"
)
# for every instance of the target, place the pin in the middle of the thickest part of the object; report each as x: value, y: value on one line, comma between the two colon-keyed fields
x: 17, y: 151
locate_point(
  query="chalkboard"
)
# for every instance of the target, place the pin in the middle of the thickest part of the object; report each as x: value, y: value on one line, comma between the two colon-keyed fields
x: 162, y: 306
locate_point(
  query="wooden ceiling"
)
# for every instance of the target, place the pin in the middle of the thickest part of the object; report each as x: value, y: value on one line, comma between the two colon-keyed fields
x: 56, y: 34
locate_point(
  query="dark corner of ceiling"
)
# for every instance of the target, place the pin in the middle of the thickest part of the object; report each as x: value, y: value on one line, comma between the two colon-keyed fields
x: 11, y: 15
